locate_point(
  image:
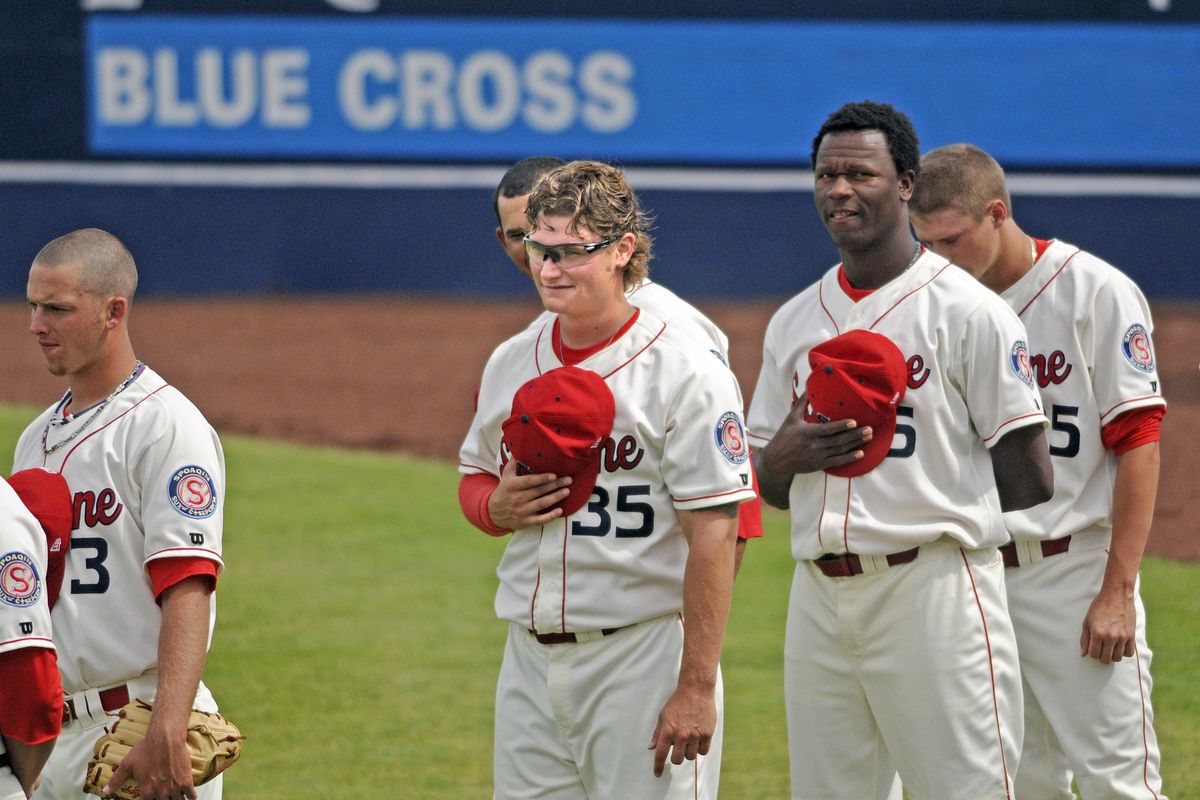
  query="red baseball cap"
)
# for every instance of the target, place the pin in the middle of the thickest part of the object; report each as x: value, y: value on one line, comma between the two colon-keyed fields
x: 48, y: 498
x: 859, y: 375
x: 559, y: 420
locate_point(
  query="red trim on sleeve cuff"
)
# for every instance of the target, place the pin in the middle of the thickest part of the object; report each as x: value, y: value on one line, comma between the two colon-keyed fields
x: 31, y: 696
x: 166, y: 572
x: 1133, y: 429
x: 473, y: 493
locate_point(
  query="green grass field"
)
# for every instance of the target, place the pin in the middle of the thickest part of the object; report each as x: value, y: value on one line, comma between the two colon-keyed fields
x: 357, y: 648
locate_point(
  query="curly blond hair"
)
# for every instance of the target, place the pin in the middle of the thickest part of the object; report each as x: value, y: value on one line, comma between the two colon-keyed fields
x: 597, y: 195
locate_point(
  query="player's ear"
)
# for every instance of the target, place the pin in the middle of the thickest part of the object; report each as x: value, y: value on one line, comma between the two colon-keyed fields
x: 500, y: 236
x: 908, y: 179
x: 115, y: 311
x: 997, y: 212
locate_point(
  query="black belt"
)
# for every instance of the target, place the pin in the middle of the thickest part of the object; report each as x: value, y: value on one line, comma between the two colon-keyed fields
x: 567, y: 638
x: 1050, y: 547
x: 843, y: 565
x: 113, y: 699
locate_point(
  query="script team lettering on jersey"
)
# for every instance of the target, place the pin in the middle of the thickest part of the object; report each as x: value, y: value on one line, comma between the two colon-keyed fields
x: 91, y: 509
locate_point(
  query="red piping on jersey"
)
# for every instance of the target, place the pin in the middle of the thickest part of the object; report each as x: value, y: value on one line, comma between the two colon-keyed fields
x: 846, y: 523
x: 537, y: 584
x: 39, y: 639
x: 645, y: 282
x: 157, y: 553
x: 992, y: 671
x: 638, y: 353
x: 933, y: 278
x: 708, y: 496
x: 821, y: 516
x: 1052, y: 277
x: 566, y: 537
x: 1137, y: 659
x: 105, y: 425
x: 1008, y: 422
x: 537, y: 348
x: 821, y: 299
x: 1134, y: 400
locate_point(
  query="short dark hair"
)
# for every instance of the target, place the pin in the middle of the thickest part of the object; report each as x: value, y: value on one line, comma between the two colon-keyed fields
x: 521, y: 177
x: 871, y: 116
x: 961, y: 177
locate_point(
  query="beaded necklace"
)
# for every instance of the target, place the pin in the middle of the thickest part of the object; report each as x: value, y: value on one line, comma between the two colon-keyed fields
x: 56, y: 420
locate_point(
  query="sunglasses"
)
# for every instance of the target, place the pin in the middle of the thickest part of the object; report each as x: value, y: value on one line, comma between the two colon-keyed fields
x: 572, y: 254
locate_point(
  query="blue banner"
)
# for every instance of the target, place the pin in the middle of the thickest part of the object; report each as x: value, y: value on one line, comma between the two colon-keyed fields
x: 475, y: 89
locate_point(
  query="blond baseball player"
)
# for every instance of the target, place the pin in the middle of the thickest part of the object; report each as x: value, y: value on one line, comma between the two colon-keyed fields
x: 135, y: 615
x: 1072, y: 567
x: 613, y: 451
x: 686, y: 321
x: 899, y: 654
x: 35, y: 518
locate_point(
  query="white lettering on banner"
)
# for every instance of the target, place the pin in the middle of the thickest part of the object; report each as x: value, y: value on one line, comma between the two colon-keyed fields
x: 427, y: 75
x: 488, y: 91
x: 416, y: 90
x: 132, y: 85
x: 121, y: 76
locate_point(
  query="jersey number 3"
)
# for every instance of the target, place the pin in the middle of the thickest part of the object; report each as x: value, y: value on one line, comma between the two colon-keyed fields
x: 598, y: 505
x: 92, y: 563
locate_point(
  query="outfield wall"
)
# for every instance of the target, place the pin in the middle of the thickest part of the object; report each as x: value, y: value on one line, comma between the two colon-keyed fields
x: 719, y: 234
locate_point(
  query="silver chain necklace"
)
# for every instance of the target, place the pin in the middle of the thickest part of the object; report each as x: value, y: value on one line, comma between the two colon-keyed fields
x: 56, y: 420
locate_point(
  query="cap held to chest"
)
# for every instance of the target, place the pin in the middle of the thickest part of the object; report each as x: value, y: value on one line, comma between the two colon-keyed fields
x: 49, y: 499
x: 859, y: 375
x: 558, y: 422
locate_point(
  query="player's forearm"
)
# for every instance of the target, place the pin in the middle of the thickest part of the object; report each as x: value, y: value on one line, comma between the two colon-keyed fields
x: 707, y: 593
x: 1134, y: 492
x: 182, y: 649
x: 773, y: 487
x: 27, y: 760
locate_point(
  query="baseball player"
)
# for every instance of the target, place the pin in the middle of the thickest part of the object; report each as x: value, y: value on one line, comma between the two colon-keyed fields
x: 899, y: 655
x: 613, y: 451
x: 509, y: 204
x: 135, y: 615
x: 1072, y: 567
x: 35, y: 528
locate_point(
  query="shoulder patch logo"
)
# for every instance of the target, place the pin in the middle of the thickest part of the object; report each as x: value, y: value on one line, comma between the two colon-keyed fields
x: 1137, y: 348
x: 1018, y: 358
x: 20, y: 585
x: 731, y: 439
x: 192, y: 492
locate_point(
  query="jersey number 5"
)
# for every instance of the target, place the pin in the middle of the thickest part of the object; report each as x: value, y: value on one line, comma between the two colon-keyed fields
x: 1059, y: 421
x: 598, y: 505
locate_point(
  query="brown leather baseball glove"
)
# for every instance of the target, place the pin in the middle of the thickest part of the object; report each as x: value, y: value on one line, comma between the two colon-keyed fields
x: 213, y: 742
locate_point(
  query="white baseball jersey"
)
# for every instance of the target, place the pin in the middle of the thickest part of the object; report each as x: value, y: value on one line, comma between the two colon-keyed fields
x: 677, y: 443
x: 24, y: 606
x: 969, y: 384
x: 148, y: 479
x: 684, y: 318
x: 1090, y: 336
x: 1092, y: 357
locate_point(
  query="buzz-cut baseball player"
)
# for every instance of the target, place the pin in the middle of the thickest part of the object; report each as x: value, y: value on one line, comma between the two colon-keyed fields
x: 612, y: 450
x: 35, y: 527
x: 1072, y: 567
x: 147, y: 472
x: 899, y: 654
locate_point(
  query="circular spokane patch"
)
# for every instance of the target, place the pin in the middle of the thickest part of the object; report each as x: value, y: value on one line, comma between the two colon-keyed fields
x: 731, y: 439
x: 1018, y: 358
x: 1137, y: 348
x: 19, y: 582
x: 192, y: 492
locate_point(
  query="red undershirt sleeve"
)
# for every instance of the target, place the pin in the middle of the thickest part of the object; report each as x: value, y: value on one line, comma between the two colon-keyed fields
x: 750, y: 512
x: 31, y: 696
x: 166, y: 572
x: 473, y: 493
x: 1133, y: 429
